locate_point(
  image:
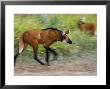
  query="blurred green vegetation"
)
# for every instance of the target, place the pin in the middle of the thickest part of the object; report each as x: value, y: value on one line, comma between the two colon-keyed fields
x: 82, y: 41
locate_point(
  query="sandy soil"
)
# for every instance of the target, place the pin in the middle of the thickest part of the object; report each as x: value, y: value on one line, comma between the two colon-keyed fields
x: 84, y: 66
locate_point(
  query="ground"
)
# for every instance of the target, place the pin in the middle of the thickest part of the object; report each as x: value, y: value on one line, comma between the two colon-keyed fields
x: 80, y: 66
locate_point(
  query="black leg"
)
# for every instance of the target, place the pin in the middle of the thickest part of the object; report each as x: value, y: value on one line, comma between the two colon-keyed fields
x: 47, y: 57
x: 55, y: 54
x: 35, y: 57
x: 51, y: 50
x: 15, y: 56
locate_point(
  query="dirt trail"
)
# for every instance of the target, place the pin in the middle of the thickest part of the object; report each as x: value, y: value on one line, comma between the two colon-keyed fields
x: 78, y: 67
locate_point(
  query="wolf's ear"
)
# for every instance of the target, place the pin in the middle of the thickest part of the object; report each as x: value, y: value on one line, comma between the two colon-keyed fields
x: 67, y: 31
x: 82, y: 19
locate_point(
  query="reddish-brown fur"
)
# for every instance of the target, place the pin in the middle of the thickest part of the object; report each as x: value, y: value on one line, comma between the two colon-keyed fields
x: 45, y: 37
x: 86, y: 26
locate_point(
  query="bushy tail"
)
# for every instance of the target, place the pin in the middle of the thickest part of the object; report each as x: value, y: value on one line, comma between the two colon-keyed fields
x: 21, y: 44
x: 21, y: 47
